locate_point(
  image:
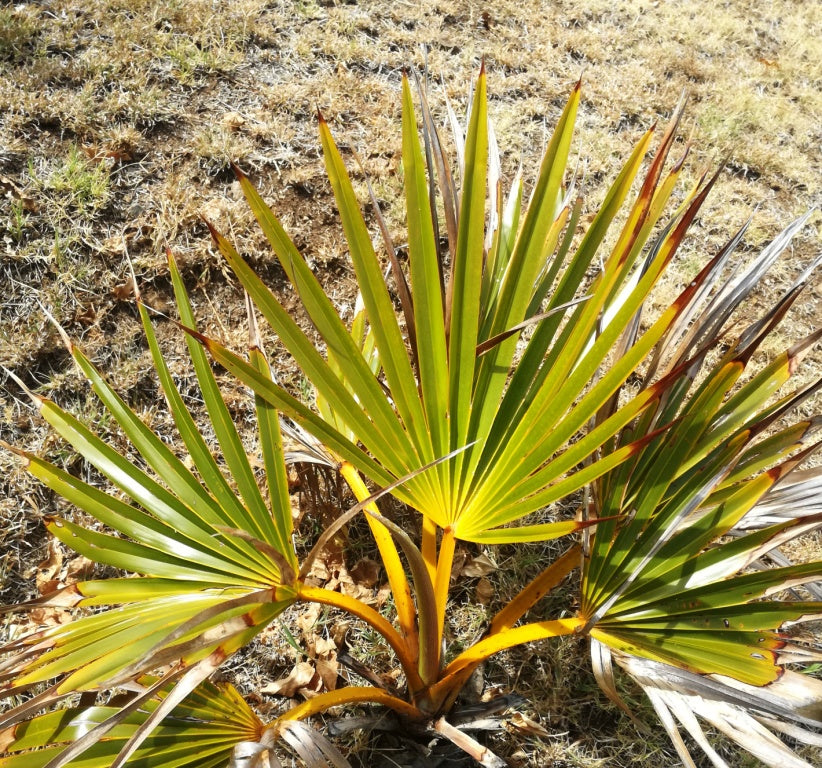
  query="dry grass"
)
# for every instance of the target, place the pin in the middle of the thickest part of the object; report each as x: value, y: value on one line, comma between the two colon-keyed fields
x: 118, y: 119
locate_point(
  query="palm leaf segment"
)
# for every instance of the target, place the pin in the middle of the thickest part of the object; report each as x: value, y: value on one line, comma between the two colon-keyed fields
x: 212, y: 727
x: 202, y: 731
x: 217, y: 563
x: 667, y: 585
x: 464, y: 382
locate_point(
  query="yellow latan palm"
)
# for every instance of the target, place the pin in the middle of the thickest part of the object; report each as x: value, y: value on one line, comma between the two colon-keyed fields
x: 497, y: 390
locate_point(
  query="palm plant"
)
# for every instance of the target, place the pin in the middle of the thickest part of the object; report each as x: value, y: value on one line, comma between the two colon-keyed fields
x: 499, y: 390
x: 218, y: 562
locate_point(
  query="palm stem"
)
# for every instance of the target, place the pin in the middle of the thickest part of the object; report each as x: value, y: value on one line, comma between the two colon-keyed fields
x: 443, y: 577
x: 348, y: 695
x: 429, y: 546
x: 398, y: 581
x: 374, y: 620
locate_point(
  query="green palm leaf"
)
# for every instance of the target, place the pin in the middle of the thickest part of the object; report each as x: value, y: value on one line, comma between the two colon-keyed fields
x: 202, y: 731
x: 519, y: 410
x: 215, y: 565
x: 664, y: 583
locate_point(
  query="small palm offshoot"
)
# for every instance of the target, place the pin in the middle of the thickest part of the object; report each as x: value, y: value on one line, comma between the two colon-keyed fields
x: 500, y: 390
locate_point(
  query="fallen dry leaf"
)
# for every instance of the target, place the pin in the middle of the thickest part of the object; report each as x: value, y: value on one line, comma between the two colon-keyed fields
x: 481, y: 565
x: 348, y: 587
x: 338, y: 633
x: 322, y: 646
x: 12, y: 191
x: 85, y: 315
x: 383, y: 595
x: 329, y: 563
x: 48, y: 569
x: 484, y: 591
x: 38, y: 618
x: 307, y: 619
x: 524, y: 724
x: 366, y: 572
x: 327, y: 669
x: 471, y: 567
x: 323, y: 652
x: 299, y: 678
x: 124, y: 291
x: 77, y: 569
x: 460, y: 558
x: 50, y: 585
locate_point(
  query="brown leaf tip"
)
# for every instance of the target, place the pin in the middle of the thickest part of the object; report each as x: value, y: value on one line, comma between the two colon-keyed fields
x: 215, y: 235
x: 26, y: 457
x: 204, y: 340
x: 237, y: 172
x: 38, y: 400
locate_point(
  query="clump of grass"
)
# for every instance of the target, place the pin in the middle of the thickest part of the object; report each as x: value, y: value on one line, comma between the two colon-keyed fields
x: 82, y: 183
x: 191, y: 61
x: 16, y: 220
x: 18, y: 31
x: 218, y: 145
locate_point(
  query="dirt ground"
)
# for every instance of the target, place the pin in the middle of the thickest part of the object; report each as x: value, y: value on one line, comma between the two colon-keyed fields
x: 118, y: 121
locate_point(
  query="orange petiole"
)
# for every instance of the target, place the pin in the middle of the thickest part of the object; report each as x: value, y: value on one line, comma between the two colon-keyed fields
x: 442, y: 581
x: 397, y: 579
x: 356, y: 607
x: 348, y: 695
